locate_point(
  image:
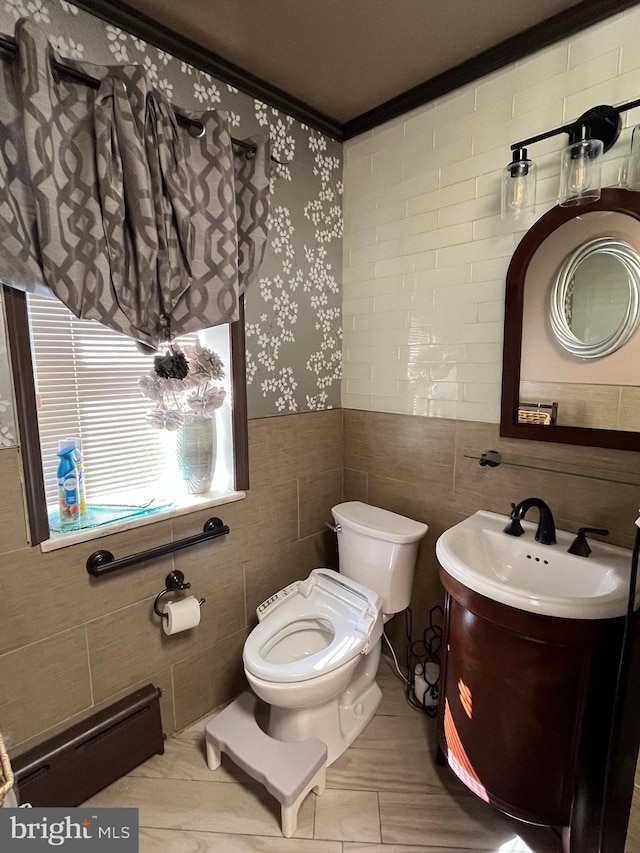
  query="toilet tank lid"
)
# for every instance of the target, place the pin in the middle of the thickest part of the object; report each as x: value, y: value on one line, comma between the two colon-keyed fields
x: 378, y: 523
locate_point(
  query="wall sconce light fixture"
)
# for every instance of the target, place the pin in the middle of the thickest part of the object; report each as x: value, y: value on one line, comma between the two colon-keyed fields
x: 580, y: 168
x: 580, y: 180
x: 519, y: 186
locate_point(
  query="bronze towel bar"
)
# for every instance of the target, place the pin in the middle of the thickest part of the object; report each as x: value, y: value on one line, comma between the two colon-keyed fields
x: 103, y: 562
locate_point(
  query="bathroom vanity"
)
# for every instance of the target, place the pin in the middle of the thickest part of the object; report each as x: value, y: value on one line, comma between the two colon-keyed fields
x: 527, y: 695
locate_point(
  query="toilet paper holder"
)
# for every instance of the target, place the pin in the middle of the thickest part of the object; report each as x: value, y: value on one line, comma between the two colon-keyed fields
x: 173, y: 582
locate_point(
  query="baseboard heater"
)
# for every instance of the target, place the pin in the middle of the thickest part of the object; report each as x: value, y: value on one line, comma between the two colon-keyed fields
x: 74, y: 765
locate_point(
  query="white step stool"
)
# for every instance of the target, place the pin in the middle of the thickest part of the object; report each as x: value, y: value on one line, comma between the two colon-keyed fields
x: 287, y: 770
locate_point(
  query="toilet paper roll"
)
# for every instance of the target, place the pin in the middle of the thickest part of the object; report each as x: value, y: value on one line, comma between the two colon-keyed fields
x: 182, y: 615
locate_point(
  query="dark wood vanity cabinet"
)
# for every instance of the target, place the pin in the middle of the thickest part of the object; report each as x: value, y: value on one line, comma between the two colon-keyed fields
x: 525, y: 708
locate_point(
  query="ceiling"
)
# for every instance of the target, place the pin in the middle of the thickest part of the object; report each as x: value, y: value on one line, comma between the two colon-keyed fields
x: 344, y: 58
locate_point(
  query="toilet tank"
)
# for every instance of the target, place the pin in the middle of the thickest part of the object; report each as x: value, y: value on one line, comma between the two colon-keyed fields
x: 378, y: 548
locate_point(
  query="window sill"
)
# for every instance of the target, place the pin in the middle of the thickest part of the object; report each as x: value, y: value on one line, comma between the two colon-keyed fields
x: 193, y: 503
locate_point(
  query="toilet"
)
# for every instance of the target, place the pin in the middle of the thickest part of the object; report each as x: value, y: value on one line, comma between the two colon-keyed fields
x: 314, y: 654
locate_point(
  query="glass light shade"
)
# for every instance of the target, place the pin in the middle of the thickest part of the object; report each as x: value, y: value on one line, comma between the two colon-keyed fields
x: 633, y: 167
x: 518, y: 196
x: 580, y: 178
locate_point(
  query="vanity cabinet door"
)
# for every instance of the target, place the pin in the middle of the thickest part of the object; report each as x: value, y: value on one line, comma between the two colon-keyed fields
x: 511, y: 713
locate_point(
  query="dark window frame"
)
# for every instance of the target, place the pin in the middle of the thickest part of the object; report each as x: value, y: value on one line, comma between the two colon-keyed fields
x: 20, y: 354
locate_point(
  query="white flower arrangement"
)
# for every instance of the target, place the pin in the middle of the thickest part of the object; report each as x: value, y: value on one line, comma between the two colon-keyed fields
x: 181, y: 385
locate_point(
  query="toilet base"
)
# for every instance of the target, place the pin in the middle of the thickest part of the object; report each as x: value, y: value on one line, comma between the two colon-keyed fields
x: 339, y: 721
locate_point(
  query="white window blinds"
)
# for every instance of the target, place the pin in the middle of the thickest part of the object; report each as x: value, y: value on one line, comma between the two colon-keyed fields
x: 86, y: 381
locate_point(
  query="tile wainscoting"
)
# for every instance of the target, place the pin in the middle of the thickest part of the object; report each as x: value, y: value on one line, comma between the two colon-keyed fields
x: 71, y: 644
x: 419, y: 467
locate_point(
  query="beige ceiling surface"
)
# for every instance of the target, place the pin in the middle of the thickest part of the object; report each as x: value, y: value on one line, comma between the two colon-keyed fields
x: 344, y: 57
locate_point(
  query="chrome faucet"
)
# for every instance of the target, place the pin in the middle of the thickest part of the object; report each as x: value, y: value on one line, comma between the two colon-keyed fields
x: 546, y: 532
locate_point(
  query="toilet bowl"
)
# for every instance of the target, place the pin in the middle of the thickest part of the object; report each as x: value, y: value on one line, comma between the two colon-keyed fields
x: 314, y: 655
x: 304, y: 653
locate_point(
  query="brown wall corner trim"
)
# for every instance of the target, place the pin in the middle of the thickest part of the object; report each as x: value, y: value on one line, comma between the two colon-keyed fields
x: 120, y: 15
x: 535, y: 38
x: 15, y: 304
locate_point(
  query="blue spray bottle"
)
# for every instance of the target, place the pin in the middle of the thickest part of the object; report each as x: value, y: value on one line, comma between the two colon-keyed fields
x: 68, y: 491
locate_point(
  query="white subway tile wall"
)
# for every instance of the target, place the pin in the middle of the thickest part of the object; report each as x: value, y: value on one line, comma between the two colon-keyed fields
x: 425, y: 250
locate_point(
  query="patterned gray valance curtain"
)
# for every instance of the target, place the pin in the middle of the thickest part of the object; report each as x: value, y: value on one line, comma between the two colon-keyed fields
x: 111, y: 204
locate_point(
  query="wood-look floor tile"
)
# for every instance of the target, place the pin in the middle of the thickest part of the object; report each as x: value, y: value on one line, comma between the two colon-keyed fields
x: 389, y: 770
x: 185, y: 760
x: 466, y: 822
x: 203, y: 806
x: 386, y: 674
x: 193, y: 732
x: 387, y: 733
x: 386, y: 795
x: 347, y: 816
x: 394, y: 704
x: 349, y: 847
x: 175, y: 841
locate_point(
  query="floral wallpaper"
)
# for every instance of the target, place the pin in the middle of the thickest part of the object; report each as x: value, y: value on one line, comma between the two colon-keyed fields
x: 293, y: 322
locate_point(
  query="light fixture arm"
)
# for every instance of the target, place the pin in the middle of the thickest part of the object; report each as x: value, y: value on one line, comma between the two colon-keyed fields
x: 566, y: 128
x: 603, y: 122
x: 590, y: 135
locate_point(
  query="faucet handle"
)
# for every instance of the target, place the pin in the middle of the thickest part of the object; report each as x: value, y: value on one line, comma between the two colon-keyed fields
x: 514, y: 527
x: 580, y: 546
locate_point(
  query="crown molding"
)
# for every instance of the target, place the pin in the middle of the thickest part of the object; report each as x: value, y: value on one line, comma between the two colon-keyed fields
x: 535, y: 38
x: 541, y: 35
x: 120, y: 15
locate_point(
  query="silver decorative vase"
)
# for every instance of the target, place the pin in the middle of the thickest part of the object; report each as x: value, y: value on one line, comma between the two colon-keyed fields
x: 197, y: 449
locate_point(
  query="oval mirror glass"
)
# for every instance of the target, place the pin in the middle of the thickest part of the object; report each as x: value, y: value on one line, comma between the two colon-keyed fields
x: 596, y: 297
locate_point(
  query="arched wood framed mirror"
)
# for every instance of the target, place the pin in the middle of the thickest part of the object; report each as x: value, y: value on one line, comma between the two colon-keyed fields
x: 554, y: 392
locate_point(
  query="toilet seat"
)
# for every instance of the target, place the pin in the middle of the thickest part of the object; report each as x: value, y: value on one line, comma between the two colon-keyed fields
x: 340, y: 617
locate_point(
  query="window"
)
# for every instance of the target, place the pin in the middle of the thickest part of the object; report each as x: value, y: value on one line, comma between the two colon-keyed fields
x: 85, y: 385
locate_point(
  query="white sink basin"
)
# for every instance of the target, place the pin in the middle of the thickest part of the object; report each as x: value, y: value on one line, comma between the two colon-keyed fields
x: 545, y: 579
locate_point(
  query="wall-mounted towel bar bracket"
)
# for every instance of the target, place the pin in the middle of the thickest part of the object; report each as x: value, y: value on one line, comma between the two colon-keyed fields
x: 103, y: 562
x: 491, y: 458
